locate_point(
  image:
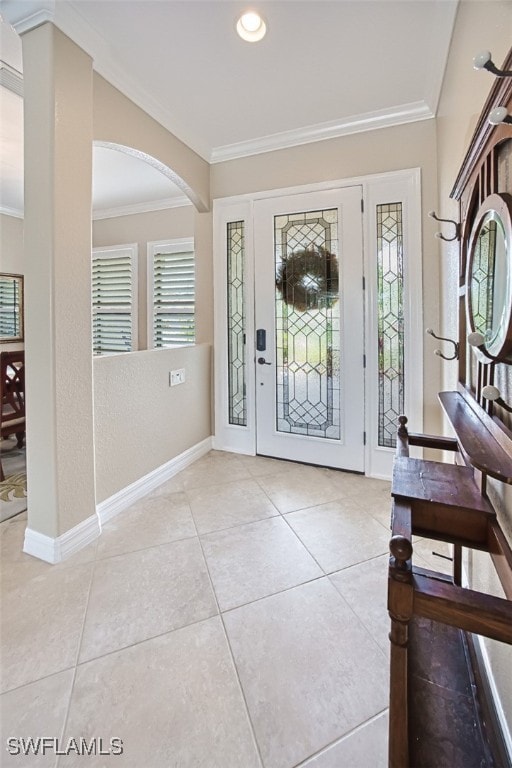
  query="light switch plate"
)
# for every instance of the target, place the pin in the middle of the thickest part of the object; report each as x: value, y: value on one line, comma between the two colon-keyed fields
x: 176, y: 377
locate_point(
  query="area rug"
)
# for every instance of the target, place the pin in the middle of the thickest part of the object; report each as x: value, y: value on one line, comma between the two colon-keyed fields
x: 13, y: 490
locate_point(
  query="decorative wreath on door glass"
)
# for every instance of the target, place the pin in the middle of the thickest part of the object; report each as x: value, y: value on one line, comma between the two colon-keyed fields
x: 309, y: 279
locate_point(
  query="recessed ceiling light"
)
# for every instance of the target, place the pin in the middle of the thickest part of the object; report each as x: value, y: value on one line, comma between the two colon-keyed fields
x: 251, y: 27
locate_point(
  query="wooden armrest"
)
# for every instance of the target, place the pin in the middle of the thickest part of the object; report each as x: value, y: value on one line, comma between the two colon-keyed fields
x: 406, y: 438
x: 433, y: 441
x: 430, y: 574
x: 464, y: 608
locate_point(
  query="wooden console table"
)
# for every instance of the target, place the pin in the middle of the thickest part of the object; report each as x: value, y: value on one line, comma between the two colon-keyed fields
x: 434, y: 713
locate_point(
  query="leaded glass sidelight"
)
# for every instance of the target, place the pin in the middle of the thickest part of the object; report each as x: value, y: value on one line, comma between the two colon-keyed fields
x: 390, y: 276
x: 307, y: 324
x: 237, y: 405
x: 482, y: 280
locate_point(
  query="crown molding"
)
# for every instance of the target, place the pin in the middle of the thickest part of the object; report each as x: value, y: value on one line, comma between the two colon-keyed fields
x: 130, y: 210
x: 29, y: 14
x: 121, y: 210
x: 369, y: 121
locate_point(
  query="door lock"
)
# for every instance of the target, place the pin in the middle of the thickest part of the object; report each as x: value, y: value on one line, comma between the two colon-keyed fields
x: 262, y: 361
x: 261, y: 339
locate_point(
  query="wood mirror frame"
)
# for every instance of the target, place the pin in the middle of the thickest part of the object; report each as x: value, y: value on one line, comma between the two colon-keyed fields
x: 485, y: 182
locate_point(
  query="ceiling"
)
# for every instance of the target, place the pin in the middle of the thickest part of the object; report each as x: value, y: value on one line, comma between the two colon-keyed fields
x: 324, y: 69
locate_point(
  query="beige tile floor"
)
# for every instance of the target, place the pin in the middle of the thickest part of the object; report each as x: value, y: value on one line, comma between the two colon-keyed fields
x: 234, y: 618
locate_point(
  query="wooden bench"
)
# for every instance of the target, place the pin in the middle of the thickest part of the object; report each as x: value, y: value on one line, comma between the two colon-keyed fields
x: 435, y: 713
x: 12, y: 397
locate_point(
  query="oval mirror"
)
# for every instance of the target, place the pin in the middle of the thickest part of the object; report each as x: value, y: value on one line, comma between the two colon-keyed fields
x: 489, y: 278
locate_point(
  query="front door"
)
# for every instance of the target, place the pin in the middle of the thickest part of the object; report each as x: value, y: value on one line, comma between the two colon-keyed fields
x: 310, y: 328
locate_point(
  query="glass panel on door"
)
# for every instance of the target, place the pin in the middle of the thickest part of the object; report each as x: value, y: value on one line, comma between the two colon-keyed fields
x: 309, y: 304
x: 307, y: 323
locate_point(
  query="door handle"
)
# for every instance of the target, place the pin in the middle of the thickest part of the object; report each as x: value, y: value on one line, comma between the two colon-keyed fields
x: 262, y: 361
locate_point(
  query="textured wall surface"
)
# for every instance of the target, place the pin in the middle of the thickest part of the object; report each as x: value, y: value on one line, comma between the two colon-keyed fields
x: 140, y: 422
x: 57, y: 248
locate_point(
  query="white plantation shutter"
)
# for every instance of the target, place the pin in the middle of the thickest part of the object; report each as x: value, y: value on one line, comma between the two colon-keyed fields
x: 114, y: 308
x: 173, y: 322
x: 10, y: 306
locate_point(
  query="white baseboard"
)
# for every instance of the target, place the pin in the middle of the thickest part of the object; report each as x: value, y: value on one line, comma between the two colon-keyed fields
x: 55, y: 550
x: 502, y: 718
x: 112, y: 506
x: 489, y: 673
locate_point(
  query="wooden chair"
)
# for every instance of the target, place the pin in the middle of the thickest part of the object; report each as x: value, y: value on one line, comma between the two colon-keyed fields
x: 12, y: 397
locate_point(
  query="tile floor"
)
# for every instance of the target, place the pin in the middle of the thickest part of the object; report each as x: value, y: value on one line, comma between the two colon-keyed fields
x: 234, y: 618
x: 12, y: 500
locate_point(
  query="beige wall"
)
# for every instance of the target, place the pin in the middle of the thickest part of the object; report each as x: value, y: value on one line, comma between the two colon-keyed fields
x: 462, y: 97
x: 67, y: 106
x: 11, y: 244
x: 389, y: 149
x: 186, y: 408
x: 478, y: 25
x: 118, y: 120
x: 140, y: 422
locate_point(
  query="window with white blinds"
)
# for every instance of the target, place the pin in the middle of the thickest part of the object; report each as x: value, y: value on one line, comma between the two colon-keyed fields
x: 11, y: 312
x: 171, y: 302
x: 114, y: 299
